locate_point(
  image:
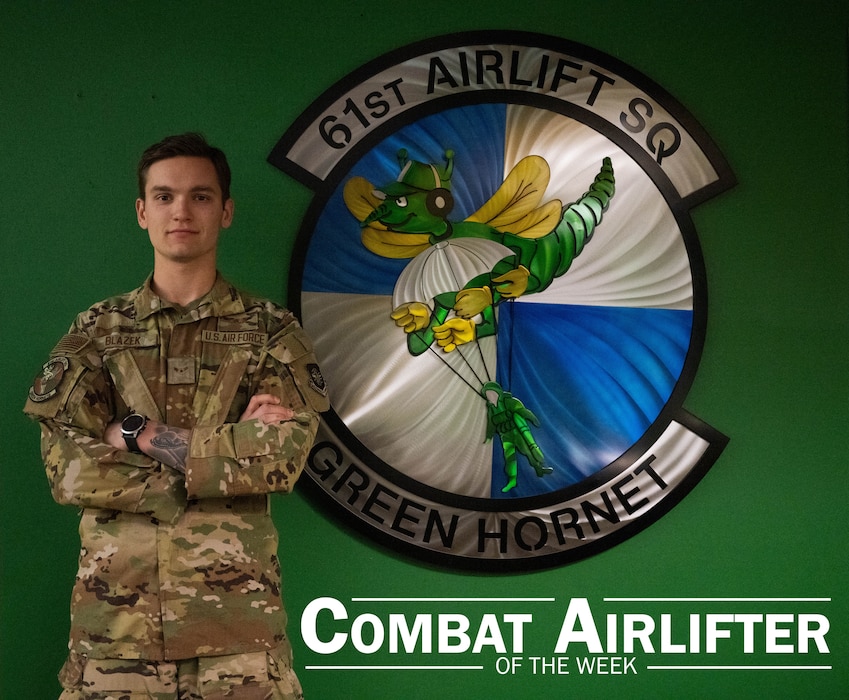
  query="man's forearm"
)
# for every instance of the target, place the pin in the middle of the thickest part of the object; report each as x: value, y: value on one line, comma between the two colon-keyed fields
x: 161, y: 442
x: 166, y: 444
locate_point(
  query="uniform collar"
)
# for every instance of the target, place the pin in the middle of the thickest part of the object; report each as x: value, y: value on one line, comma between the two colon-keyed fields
x: 222, y: 300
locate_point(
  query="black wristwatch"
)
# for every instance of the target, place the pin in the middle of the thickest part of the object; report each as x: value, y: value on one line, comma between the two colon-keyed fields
x: 131, y: 428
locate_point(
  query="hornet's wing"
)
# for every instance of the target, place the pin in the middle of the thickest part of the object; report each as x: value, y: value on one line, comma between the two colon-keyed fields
x: 515, y: 206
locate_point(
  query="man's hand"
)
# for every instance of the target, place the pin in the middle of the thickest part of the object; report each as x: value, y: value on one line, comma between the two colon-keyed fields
x: 267, y: 408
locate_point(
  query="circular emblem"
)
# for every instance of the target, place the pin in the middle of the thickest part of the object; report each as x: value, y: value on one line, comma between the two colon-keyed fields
x: 46, y: 384
x: 506, y: 294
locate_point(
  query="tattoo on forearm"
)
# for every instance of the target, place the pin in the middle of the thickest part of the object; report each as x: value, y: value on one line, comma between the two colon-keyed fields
x: 170, y: 446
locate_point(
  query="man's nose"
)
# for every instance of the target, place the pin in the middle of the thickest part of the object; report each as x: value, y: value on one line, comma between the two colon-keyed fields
x: 181, y: 209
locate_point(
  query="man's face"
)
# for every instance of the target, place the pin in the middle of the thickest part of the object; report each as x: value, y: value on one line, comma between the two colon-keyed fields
x: 182, y: 209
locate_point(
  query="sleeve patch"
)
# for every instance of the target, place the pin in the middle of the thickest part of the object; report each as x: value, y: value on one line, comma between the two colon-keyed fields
x: 316, y: 379
x: 46, y: 384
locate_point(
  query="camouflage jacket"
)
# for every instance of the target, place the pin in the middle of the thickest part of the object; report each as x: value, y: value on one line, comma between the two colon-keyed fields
x: 176, y: 567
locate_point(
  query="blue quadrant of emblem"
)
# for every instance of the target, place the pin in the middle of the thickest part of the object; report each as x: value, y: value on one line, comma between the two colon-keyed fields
x: 595, y: 377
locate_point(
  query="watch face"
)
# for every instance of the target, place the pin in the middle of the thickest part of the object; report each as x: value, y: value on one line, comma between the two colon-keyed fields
x: 132, y: 423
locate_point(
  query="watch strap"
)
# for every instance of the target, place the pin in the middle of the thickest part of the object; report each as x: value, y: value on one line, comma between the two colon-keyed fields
x: 132, y: 443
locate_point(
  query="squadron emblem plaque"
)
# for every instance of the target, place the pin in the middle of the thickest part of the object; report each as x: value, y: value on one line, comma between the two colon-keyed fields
x: 507, y: 297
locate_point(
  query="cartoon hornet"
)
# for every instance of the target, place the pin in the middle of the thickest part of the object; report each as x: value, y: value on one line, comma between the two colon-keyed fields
x: 461, y: 270
x: 536, y: 244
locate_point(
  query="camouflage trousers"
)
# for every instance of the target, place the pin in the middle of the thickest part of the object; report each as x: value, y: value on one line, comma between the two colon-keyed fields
x: 254, y: 676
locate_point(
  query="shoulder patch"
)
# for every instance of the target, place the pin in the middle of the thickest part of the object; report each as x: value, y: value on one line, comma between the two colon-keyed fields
x: 316, y: 380
x: 47, y: 383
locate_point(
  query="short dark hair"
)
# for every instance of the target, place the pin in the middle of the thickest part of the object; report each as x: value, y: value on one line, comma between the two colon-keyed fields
x: 188, y: 144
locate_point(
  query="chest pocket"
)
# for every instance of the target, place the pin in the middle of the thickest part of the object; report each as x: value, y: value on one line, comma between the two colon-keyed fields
x: 222, y: 371
x: 133, y: 363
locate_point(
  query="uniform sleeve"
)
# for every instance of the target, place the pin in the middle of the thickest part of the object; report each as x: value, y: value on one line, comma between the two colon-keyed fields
x: 72, y: 400
x: 250, y: 457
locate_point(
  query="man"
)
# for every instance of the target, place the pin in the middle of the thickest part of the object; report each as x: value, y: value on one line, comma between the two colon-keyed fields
x: 168, y: 415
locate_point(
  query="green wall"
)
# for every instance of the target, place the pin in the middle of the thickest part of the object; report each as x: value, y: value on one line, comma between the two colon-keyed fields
x: 85, y: 86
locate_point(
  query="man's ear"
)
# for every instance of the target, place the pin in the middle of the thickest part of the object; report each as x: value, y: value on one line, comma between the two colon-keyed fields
x: 140, y: 213
x: 227, y: 214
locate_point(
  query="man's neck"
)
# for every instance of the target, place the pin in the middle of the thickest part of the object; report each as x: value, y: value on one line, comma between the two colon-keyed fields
x: 182, y: 284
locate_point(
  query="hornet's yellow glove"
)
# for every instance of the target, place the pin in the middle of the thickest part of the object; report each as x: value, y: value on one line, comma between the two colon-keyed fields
x: 512, y: 284
x: 412, y: 316
x: 454, y: 332
x: 470, y: 302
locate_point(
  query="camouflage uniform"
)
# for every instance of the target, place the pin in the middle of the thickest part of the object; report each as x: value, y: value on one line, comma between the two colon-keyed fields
x: 175, y: 567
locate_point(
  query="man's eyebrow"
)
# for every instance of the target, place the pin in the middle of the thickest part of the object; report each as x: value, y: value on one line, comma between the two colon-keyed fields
x: 197, y: 188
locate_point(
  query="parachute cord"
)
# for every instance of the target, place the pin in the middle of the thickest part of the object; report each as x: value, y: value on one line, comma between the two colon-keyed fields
x: 465, y: 381
x: 461, y: 377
